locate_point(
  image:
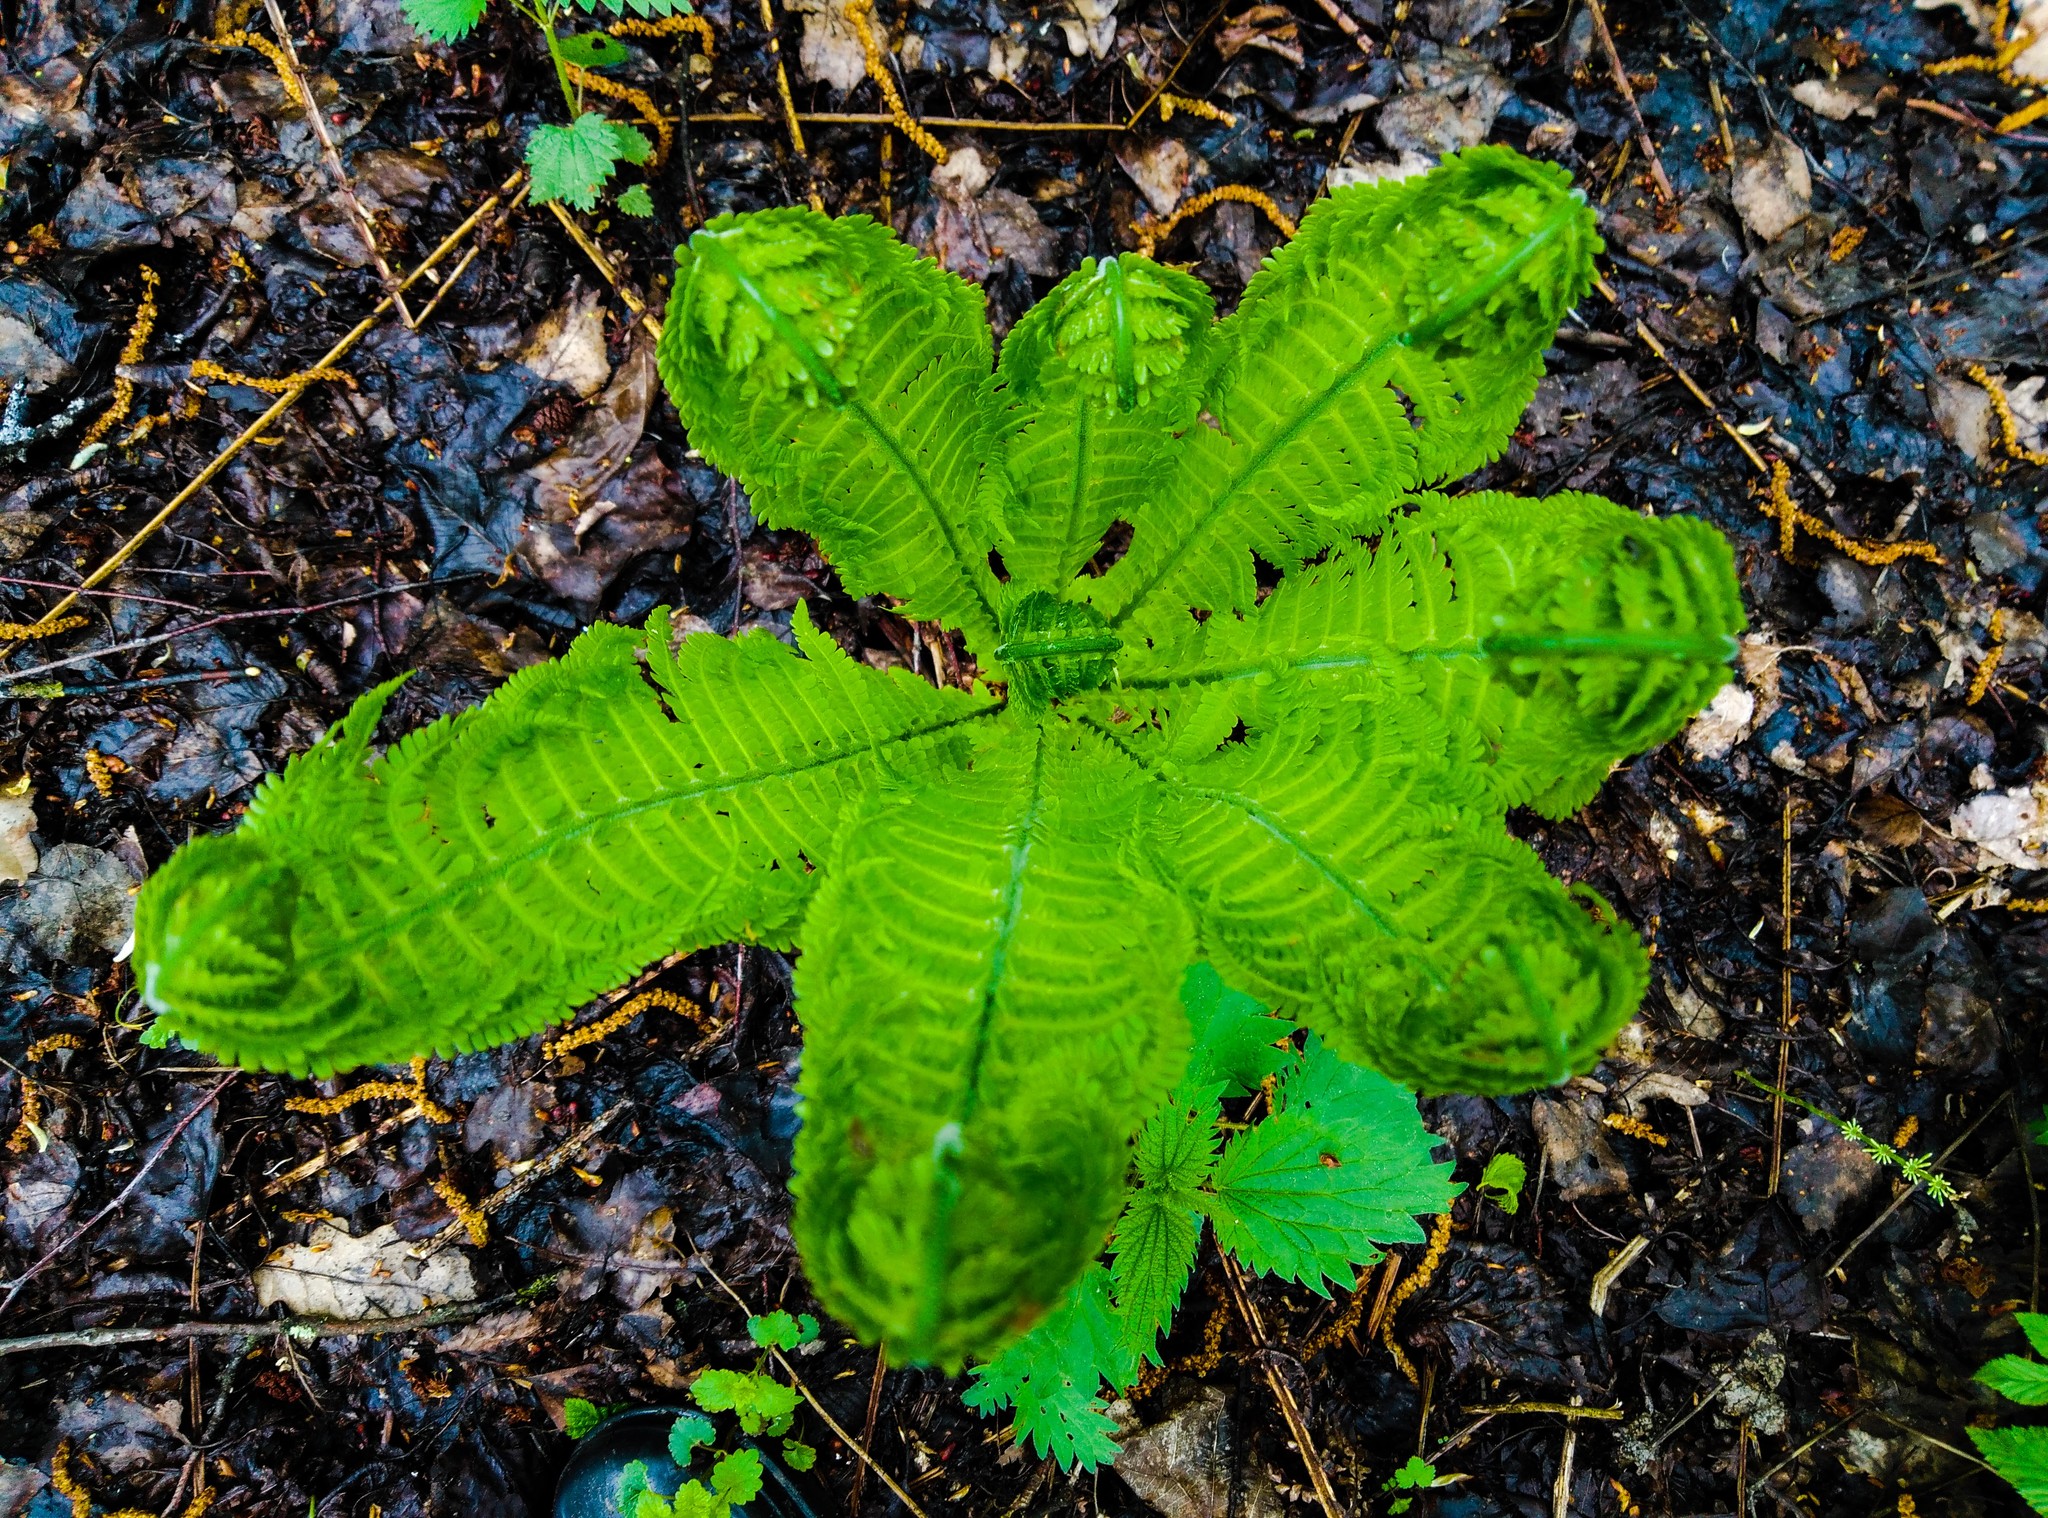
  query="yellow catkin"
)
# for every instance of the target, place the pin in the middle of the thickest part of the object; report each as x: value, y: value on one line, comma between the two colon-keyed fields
x: 414, y: 1091
x: 1904, y: 1133
x: 1980, y: 683
x: 1152, y: 235
x: 2008, y: 424
x: 24, y: 1134
x: 2025, y: 904
x: 1635, y: 1128
x: 1845, y: 242
x: 274, y: 53
x: 97, y: 772
x: 67, y: 1484
x: 207, y: 369
x: 1624, y: 1499
x: 131, y: 353
x: 1170, y: 102
x: 1339, y: 1326
x: 1205, y: 1361
x: 639, y: 100
x: 1439, y: 1241
x: 611, y: 1022
x: 1791, y: 521
x: 667, y: 26
x: 44, y: 1047
x: 861, y: 13
x: 18, y: 630
x: 2025, y: 116
x: 1908, y: 1508
x: 466, y: 1212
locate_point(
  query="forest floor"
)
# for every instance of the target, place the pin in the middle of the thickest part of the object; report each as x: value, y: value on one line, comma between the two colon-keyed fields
x: 1834, y: 262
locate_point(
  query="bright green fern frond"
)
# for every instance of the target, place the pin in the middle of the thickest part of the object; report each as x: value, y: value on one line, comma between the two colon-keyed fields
x: 1096, y: 381
x: 1331, y: 871
x: 990, y: 995
x: 2020, y: 1455
x: 1434, y: 296
x: 1161, y: 1226
x: 1551, y: 638
x: 1576, y: 633
x: 493, y: 871
x: 844, y: 380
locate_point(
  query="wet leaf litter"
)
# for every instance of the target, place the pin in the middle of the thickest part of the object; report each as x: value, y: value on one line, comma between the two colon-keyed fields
x: 1825, y: 337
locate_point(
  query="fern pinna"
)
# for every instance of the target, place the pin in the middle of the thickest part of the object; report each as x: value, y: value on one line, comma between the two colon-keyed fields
x: 998, y: 890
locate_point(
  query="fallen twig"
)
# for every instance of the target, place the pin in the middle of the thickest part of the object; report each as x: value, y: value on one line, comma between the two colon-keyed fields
x: 1644, y: 140
x: 1304, y: 1444
x: 306, y: 1326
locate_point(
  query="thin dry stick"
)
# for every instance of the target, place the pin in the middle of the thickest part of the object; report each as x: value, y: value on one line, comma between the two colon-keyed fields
x: 1644, y: 140
x: 297, y: 1328
x: 1561, y: 1491
x: 1649, y: 340
x: 469, y: 257
x: 1347, y: 26
x: 1248, y: 1310
x: 1555, y: 1409
x: 883, y: 118
x: 605, y: 267
x: 867, y: 1431
x: 323, y: 1159
x: 796, y: 131
x: 804, y: 1391
x: 1613, y: 1270
x: 1784, y: 995
x: 163, y: 1147
x: 317, y: 119
x: 462, y: 1227
x: 278, y: 408
x: 1174, y: 73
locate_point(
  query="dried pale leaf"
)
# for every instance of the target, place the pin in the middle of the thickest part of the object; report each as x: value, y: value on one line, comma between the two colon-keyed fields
x: 18, y: 858
x: 375, y: 1276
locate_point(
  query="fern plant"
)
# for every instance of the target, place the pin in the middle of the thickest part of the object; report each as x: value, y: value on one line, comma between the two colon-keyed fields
x: 2020, y: 1455
x: 997, y: 890
x: 568, y: 163
x: 1340, y: 1165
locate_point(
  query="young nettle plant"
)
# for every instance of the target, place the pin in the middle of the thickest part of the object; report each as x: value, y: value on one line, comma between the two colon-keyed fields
x: 568, y: 163
x: 1339, y: 1165
x: 998, y: 890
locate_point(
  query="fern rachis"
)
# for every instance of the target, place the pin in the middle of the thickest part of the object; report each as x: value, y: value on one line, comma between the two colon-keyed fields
x: 998, y: 891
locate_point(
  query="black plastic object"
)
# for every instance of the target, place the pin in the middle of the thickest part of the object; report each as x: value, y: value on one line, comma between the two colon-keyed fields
x: 591, y: 1478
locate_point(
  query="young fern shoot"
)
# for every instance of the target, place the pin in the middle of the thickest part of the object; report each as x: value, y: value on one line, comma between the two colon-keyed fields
x: 999, y: 890
x: 568, y: 163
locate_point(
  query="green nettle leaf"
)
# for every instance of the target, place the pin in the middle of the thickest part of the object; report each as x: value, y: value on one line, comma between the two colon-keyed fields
x: 1000, y: 892
x: 1053, y: 1375
x: 1161, y: 1227
x: 636, y: 200
x: 2020, y: 1455
x: 571, y: 163
x: 444, y: 20
x: 651, y: 8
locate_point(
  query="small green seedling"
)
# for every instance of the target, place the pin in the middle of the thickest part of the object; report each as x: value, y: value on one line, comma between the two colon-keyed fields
x: 1163, y: 760
x: 579, y: 1416
x: 762, y: 1407
x: 1418, y: 1475
x: 1914, y: 1169
x: 1502, y: 1180
x: 568, y: 163
x: 2020, y: 1455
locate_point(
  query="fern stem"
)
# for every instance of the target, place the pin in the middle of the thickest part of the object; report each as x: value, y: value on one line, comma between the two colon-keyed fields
x: 858, y: 408
x: 1433, y: 326
x: 946, y: 1142
x: 1058, y: 646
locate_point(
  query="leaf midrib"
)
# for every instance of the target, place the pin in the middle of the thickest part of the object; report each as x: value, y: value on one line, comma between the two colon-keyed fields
x: 477, y: 882
x: 1327, y: 397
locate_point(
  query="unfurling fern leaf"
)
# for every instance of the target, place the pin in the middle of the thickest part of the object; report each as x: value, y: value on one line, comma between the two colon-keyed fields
x: 998, y: 892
